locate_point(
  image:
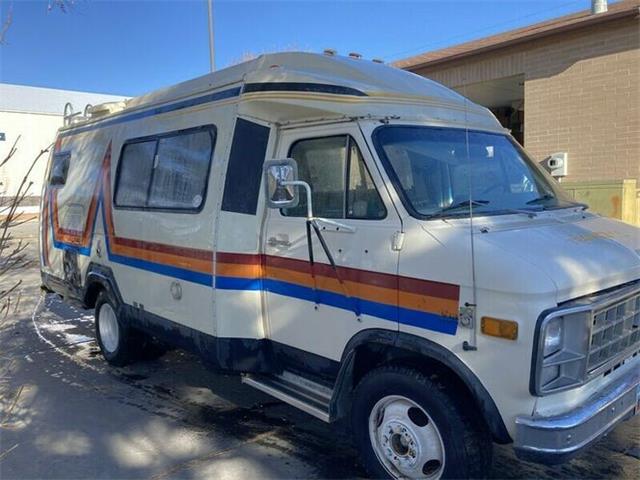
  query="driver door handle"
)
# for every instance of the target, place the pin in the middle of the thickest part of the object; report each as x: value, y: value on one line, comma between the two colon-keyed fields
x: 275, y: 242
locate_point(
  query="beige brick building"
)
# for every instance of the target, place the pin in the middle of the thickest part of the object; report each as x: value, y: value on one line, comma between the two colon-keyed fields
x: 571, y: 84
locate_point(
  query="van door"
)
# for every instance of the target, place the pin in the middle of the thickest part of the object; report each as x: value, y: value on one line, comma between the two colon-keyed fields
x: 317, y: 307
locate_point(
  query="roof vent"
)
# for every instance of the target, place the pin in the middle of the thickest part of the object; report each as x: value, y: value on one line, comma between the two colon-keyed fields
x: 330, y: 52
x: 377, y: 60
x: 106, y: 108
x: 355, y: 55
x: 598, y: 6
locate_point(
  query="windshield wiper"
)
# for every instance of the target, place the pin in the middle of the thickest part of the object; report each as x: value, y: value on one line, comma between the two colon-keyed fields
x: 481, y: 203
x: 465, y: 203
x: 548, y: 196
x: 542, y: 198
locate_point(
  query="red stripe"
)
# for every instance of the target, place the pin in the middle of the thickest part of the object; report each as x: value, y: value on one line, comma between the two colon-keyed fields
x: 367, y: 277
x: 163, y: 248
x: 239, y: 258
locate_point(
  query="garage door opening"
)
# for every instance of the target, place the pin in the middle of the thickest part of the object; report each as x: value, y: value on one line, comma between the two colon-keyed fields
x: 504, y: 97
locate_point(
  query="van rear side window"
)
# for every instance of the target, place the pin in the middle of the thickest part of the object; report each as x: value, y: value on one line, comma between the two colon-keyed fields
x: 59, y: 169
x: 167, y: 172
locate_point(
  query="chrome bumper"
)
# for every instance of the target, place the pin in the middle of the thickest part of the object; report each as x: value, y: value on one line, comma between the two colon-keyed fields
x: 553, y: 440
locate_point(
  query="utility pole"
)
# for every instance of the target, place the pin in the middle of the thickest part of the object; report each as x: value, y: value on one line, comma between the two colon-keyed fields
x: 212, y: 57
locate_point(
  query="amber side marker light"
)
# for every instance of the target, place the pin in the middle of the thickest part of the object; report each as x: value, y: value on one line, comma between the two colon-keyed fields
x: 499, y: 328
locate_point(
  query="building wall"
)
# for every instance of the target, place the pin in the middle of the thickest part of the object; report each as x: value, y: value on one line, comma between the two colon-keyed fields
x: 582, y: 95
x: 37, y: 132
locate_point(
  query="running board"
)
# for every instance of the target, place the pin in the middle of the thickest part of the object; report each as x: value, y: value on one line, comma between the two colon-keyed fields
x: 297, y: 391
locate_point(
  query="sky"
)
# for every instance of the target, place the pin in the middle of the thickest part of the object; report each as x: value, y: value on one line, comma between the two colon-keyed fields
x: 132, y: 47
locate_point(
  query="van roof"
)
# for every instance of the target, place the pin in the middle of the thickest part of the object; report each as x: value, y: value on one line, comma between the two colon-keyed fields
x: 310, y: 86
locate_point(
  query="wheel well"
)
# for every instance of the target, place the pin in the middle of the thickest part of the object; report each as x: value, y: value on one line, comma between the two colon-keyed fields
x: 91, y: 295
x: 370, y: 356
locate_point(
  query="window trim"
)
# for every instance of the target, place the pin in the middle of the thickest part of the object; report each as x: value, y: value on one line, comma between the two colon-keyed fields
x: 213, y: 134
x: 349, y: 140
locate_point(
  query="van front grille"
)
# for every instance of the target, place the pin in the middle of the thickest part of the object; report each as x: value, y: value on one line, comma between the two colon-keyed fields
x: 615, y: 329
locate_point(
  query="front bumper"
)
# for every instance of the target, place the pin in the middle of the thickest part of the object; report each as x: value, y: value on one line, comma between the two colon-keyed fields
x: 555, y: 439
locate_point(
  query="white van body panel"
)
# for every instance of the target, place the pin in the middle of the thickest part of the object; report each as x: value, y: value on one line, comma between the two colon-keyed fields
x: 234, y: 279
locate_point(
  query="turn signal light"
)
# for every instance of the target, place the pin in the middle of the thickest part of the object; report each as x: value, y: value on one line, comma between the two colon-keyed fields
x: 499, y: 328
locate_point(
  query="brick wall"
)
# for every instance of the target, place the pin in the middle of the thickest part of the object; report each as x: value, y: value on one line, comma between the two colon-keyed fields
x: 582, y: 95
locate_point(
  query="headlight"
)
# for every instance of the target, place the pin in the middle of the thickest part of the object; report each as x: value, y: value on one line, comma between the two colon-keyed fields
x: 562, y: 348
x: 552, y: 337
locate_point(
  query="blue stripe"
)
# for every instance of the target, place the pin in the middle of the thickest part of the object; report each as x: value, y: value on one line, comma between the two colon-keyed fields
x: 170, y: 271
x: 123, y: 117
x: 430, y: 321
x: 405, y: 316
x: 232, y: 283
x: 167, y: 270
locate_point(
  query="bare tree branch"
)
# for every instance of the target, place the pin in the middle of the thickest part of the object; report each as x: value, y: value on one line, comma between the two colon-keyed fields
x: 63, y: 5
x: 13, y: 257
x: 6, y: 24
x: 12, y: 151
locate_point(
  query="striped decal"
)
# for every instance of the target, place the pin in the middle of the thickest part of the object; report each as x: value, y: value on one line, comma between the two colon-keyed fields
x: 421, y: 303
x: 229, y: 93
x: 190, y: 264
x: 411, y: 301
x: 128, y: 117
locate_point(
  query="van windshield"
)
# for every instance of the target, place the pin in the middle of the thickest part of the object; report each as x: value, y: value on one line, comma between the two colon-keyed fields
x: 438, y: 170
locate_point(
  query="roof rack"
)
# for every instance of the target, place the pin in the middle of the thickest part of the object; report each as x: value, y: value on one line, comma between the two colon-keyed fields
x: 90, y: 111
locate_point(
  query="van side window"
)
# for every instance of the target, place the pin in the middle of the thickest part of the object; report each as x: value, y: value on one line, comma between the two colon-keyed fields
x: 167, y: 172
x: 59, y: 168
x: 134, y: 176
x: 180, y: 175
x: 340, y: 183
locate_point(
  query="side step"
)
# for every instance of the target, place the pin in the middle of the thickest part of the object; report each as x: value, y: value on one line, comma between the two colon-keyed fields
x: 295, y: 390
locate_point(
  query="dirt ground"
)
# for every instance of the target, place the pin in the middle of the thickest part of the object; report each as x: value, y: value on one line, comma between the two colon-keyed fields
x: 66, y: 414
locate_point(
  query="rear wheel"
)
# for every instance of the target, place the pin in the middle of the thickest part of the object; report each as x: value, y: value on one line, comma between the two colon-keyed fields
x: 409, y: 426
x: 113, y: 335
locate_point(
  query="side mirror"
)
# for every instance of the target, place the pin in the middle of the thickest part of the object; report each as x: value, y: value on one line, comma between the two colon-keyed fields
x: 279, y: 179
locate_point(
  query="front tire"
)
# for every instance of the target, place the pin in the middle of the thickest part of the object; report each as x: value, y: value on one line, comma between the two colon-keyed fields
x: 407, y: 425
x: 112, y: 333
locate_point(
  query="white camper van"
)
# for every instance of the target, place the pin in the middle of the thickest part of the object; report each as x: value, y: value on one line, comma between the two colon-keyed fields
x: 359, y: 242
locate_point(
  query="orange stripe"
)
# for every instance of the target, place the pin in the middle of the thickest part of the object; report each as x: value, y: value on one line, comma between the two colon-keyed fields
x: 409, y: 300
x: 194, y: 264
x: 353, y: 289
x: 238, y: 270
x: 425, y: 303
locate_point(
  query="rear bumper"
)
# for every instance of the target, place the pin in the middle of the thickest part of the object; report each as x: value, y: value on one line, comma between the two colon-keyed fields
x: 555, y: 439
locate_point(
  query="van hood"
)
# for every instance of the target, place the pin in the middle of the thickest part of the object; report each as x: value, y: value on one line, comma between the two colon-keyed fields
x: 565, y: 254
x: 581, y: 254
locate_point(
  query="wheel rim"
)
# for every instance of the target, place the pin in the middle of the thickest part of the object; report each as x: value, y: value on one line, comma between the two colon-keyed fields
x: 108, y: 327
x: 405, y: 439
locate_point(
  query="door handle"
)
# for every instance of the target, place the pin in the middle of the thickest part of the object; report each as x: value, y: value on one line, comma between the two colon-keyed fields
x: 274, y: 242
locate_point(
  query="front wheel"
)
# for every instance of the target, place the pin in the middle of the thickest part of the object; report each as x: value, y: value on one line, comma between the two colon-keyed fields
x: 409, y: 426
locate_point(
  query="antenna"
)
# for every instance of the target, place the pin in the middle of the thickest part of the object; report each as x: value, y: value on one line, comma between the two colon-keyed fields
x: 472, y: 344
x: 212, y: 58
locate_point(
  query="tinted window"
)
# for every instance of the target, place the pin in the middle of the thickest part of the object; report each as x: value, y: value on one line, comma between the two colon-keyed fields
x: 180, y: 174
x: 244, y: 173
x: 167, y: 172
x: 59, y: 168
x: 134, y: 176
x: 341, y: 185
